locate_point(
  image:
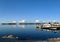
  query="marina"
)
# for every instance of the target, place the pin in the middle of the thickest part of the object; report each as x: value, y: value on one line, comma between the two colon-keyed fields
x: 43, y: 25
x: 28, y: 32
x: 50, y: 26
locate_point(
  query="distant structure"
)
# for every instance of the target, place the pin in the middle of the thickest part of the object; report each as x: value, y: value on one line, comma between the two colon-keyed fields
x: 21, y: 21
x: 13, y: 21
x: 37, y: 21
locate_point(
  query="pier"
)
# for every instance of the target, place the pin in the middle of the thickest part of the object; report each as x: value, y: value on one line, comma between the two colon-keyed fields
x: 50, y: 26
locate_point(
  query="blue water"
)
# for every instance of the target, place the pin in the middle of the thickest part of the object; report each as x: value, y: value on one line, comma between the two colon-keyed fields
x: 27, y: 32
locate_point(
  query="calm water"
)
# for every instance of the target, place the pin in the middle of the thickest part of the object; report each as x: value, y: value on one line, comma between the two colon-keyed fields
x: 27, y: 32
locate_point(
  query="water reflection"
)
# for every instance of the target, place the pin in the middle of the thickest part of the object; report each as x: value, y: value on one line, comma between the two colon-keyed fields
x: 29, y: 32
x: 13, y: 26
x: 22, y: 26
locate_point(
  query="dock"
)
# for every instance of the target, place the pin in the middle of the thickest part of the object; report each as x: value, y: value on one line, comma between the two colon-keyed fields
x: 55, y: 26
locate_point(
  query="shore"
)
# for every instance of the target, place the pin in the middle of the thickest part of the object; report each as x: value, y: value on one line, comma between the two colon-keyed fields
x: 29, y: 41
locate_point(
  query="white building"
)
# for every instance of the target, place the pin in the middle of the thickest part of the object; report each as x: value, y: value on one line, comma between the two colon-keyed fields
x: 36, y: 21
x: 21, y: 21
x: 46, y: 25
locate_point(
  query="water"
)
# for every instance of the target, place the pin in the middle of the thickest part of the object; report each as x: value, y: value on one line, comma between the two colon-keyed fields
x: 26, y: 32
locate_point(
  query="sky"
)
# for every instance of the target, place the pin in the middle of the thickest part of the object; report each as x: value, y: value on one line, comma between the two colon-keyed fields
x: 29, y: 10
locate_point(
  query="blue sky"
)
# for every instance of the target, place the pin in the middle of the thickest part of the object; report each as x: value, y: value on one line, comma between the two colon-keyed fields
x: 30, y: 9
